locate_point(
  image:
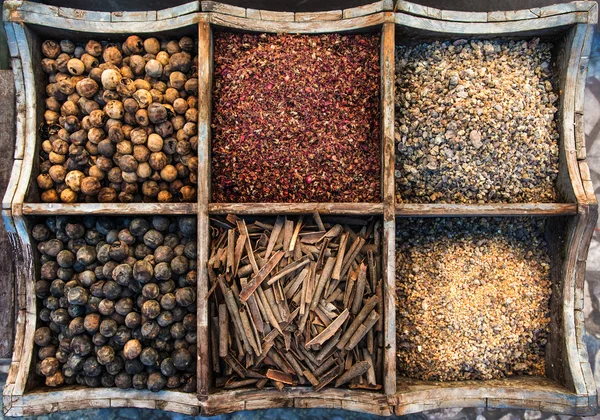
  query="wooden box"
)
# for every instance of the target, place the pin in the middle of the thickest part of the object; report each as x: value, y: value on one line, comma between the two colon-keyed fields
x: 568, y: 387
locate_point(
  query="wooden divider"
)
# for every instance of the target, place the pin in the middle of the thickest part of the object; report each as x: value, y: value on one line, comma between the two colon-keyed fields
x: 26, y: 21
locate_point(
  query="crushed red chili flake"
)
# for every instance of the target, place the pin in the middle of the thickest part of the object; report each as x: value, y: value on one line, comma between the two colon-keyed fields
x: 296, y: 118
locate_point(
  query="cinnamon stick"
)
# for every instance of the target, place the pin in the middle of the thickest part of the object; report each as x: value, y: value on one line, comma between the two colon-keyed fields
x: 328, y: 332
x: 299, y: 300
x: 356, y: 370
x: 223, y: 331
x: 261, y: 276
x: 362, y: 315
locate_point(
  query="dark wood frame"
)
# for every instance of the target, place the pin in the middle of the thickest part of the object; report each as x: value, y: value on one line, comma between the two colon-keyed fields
x: 569, y: 388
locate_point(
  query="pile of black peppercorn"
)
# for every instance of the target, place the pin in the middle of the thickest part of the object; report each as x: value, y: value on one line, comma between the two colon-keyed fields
x: 118, y: 302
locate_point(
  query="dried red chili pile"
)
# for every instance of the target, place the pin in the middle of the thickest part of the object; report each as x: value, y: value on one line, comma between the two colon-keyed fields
x: 296, y: 118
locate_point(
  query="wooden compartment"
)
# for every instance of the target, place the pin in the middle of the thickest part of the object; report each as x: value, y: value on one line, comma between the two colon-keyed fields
x: 555, y: 390
x: 219, y: 400
x: 40, y: 398
x: 567, y: 29
x: 35, y: 90
x: 363, y: 19
x: 351, y: 21
x: 22, y: 393
x: 569, y: 388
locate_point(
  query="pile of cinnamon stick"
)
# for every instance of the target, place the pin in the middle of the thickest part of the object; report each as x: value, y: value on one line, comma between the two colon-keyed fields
x: 296, y: 301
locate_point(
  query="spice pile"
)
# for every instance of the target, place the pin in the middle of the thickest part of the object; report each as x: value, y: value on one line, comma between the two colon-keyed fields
x: 473, y: 298
x: 120, y: 121
x: 118, y: 302
x: 296, y: 302
x: 296, y: 118
x: 475, y: 122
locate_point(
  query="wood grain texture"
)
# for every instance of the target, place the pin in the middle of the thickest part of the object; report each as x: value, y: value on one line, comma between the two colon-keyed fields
x: 464, y: 16
x: 109, y: 208
x: 22, y: 36
x: 76, y: 397
x: 576, y: 376
x: 388, y: 148
x: 137, y: 16
x: 116, y: 26
x: 573, y: 391
x: 296, y: 208
x: 205, y: 67
x: 452, y: 28
x: 68, y: 12
x: 517, y: 392
x: 180, y: 10
x: 227, y: 9
x: 230, y: 401
x: 271, y: 26
x: 317, y: 16
x: 19, y: 110
x: 499, y: 209
x: 7, y: 146
x: 580, y: 93
x: 389, y: 305
x: 368, y: 9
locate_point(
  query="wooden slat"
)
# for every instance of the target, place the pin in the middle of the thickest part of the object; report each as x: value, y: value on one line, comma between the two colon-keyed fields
x: 452, y: 28
x: 137, y: 16
x: 389, y: 306
x: 109, y: 208
x: 277, y: 16
x: 524, y: 392
x: 205, y: 57
x: 368, y: 9
x: 13, y: 182
x: 295, y: 208
x: 272, y: 26
x: 388, y: 189
x: 223, y: 402
x: 19, y: 108
x: 68, y: 12
x: 580, y: 93
x: 30, y: 124
x: 387, y: 118
x: 116, y: 26
x: 318, y: 16
x: 576, y: 373
x: 7, y: 283
x: 461, y: 210
x: 77, y: 397
x: 466, y: 16
x: 181, y: 10
x: 533, y: 392
x: 218, y: 7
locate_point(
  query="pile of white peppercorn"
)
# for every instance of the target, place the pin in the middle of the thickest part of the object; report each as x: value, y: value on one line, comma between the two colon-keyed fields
x: 120, y: 122
x: 118, y: 302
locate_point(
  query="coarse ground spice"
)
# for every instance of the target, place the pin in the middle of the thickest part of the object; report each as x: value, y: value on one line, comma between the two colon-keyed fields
x: 296, y: 118
x: 473, y: 298
x: 475, y: 122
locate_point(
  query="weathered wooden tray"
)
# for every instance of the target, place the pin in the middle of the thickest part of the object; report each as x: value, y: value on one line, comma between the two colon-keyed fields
x: 568, y: 387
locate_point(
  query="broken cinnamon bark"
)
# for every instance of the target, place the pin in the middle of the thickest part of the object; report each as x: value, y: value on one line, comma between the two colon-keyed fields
x: 296, y: 301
